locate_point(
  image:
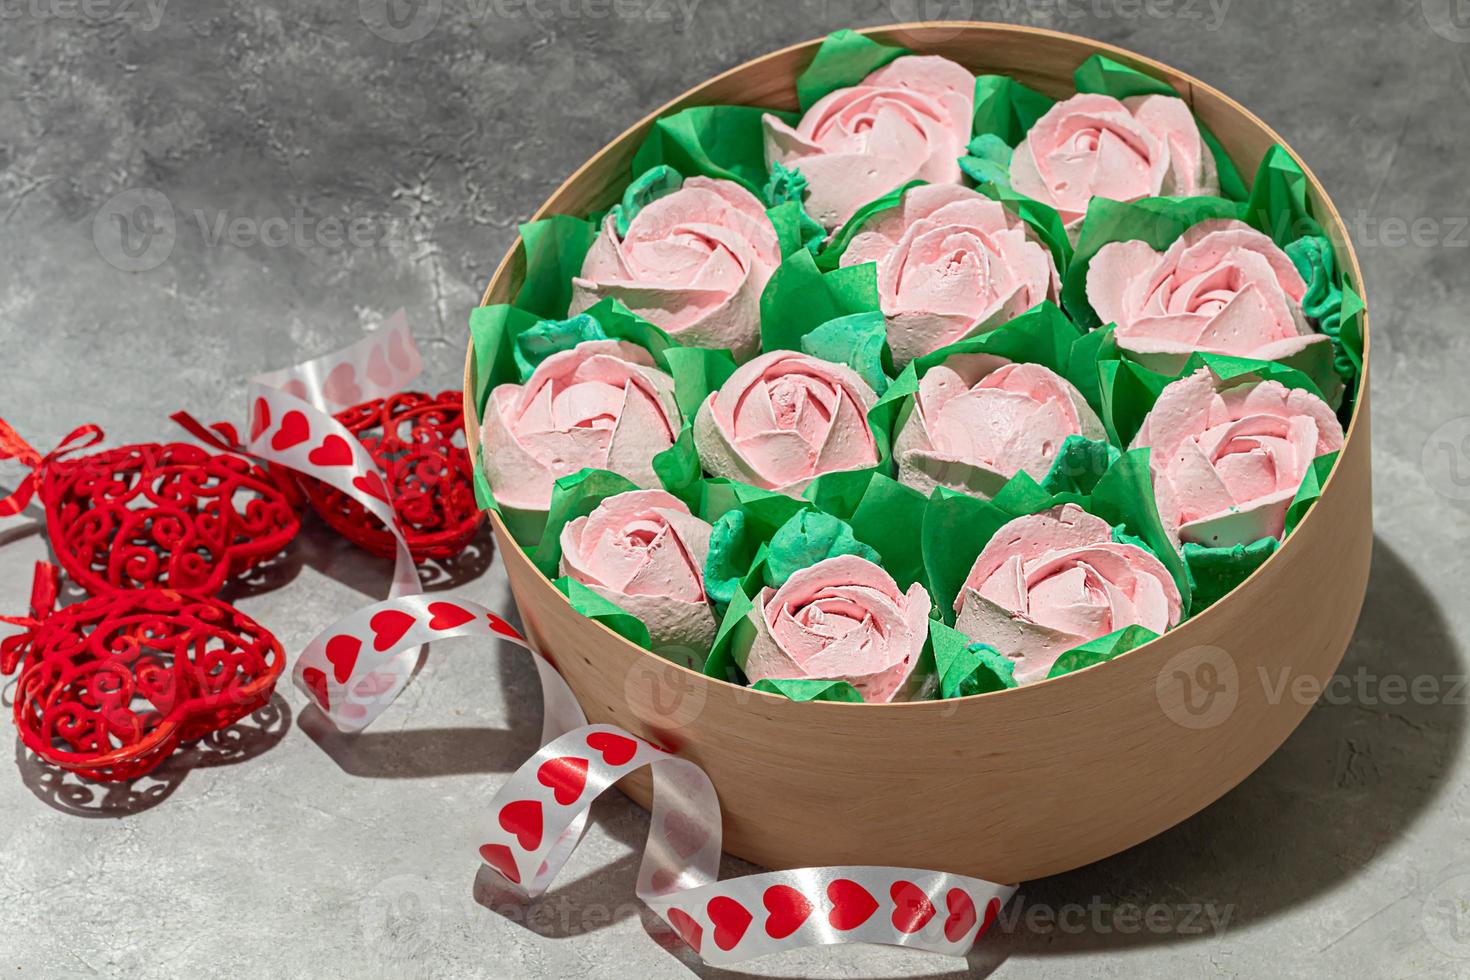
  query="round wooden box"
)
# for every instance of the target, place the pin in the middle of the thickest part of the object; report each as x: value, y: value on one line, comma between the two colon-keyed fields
x: 1016, y: 784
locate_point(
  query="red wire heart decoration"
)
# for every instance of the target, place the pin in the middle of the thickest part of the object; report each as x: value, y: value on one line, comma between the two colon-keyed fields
x: 418, y: 441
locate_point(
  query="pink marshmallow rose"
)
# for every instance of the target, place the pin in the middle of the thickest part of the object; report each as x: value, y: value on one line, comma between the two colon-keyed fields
x: 952, y: 263
x: 978, y: 420
x: 1227, y: 459
x: 784, y: 419
x: 601, y: 404
x: 1095, y: 146
x: 1222, y: 287
x: 908, y: 120
x: 1052, y: 581
x: 645, y: 552
x: 694, y: 263
x: 842, y: 619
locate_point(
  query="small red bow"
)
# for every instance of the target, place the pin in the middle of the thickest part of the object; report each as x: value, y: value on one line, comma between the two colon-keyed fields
x: 12, y: 446
x: 44, y: 589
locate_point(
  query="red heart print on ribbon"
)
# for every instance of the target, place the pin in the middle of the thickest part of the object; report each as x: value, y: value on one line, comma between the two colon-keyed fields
x: 260, y: 419
x: 293, y: 431
x: 342, y: 654
x: 616, y: 750
x: 499, y: 857
x: 447, y: 616
x: 522, y: 819
x: 787, y: 909
x: 731, y: 920
x: 565, y: 776
x: 912, y: 909
x: 341, y: 385
x: 334, y: 451
x: 388, y: 627
x: 961, y: 914
x: 687, y: 928
x: 852, y: 904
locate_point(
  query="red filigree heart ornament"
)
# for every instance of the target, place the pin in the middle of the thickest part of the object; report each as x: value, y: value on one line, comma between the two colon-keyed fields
x: 418, y: 441
x: 154, y: 515
x: 110, y: 686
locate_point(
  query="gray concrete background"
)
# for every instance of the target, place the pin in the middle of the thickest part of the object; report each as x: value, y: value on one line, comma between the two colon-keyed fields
x: 281, y: 852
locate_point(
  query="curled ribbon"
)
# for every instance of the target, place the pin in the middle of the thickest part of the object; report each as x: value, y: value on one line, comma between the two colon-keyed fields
x: 356, y: 668
x: 12, y: 446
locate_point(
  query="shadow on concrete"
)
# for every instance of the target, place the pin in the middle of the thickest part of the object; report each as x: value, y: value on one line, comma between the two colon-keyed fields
x: 59, y: 789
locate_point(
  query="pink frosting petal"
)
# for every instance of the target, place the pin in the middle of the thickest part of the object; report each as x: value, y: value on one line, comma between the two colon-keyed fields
x: 694, y: 262
x: 842, y: 619
x: 785, y: 418
x: 1048, y: 582
x: 910, y: 119
x: 951, y: 264
x: 566, y: 417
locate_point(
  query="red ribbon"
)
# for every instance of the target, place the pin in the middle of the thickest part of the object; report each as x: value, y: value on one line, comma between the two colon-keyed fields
x: 12, y: 446
x: 45, y: 588
x: 221, y: 435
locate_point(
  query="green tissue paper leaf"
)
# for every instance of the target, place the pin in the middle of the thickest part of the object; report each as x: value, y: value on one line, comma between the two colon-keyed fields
x: 1101, y: 650
x: 724, y: 141
x: 609, y: 614
x: 809, y: 690
x: 554, y: 249
x: 1006, y: 109
x: 844, y: 59
x: 1079, y: 465
x: 800, y: 297
x: 967, y: 668
x: 1217, y: 571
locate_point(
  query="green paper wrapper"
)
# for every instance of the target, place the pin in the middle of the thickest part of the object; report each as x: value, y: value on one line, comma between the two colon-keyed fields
x: 810, y: 536
x: 723, y: 141
x: 799, y: 690
x: 647, y: 187
x: 844, y: 59
x: 801, y: 297
x: 554, y: 250
x: 886, y: 517
x: 1217, y: 571
x: 966, y: 668
x: 1079, y: 465
x: 1309, y: 491
x: 1101, y: 650
x: 1006, y: 109
x: 735, y: 632
x: 609, y: 614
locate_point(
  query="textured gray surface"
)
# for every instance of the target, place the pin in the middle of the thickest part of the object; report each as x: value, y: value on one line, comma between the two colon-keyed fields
x: 1348, y: 853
